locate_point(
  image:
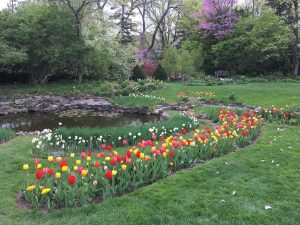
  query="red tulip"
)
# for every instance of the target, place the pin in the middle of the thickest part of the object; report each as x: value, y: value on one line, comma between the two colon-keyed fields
x: 51, y: 171
x: 64, y: 163
x: 71, y: 179
x: 39, y: 174
x: 109, y: 147
x: 108, y: 174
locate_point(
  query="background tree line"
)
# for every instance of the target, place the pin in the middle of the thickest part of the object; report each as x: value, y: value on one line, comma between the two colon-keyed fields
x: 106, y: 39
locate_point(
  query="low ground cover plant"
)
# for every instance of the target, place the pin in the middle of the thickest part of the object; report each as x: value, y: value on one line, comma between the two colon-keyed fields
x: 89, y: 176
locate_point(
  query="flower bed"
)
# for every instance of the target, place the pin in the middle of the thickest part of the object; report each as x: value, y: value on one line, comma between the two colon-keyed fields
x: 78, y: 139
x: 281, y: 115
x: 83, y: 178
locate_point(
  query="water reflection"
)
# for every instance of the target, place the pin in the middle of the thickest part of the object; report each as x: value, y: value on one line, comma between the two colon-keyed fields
x: 40, y: 121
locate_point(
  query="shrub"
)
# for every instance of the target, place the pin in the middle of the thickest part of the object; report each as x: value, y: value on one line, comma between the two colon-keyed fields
x: 127, y: 91
x: 160, y: 73
x: 137, y: 73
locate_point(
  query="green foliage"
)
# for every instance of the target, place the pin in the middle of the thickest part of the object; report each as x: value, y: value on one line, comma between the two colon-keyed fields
x: 160, y: 73
x: 137, y: 73
x: 182, y: 61
x: 6, y: 134
x: 54, y: 35
x: 169, y: 61
x: 258, y: 44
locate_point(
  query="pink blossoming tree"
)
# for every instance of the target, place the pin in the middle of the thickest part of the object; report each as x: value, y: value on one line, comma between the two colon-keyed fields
x: 216, y: 17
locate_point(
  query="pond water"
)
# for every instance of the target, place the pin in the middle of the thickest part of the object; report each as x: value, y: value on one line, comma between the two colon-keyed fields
x: 40, y: 121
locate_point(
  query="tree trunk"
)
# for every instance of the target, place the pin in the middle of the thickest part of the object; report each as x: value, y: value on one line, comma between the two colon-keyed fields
x: 296, y: 40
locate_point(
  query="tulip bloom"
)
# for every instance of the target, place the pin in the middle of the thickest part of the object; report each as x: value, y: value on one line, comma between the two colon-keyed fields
x: 30, y: 188
x: 84, y: 173
x: 124, y: 167
x: 71, y: 179
x: 108, y: 174
x: 39, y: 174
x: 25, y: 167
x: 50, y: 171
x: 65, y: 169
x: 57, y: 175
x: 83, y: 155
x: 50, y: 159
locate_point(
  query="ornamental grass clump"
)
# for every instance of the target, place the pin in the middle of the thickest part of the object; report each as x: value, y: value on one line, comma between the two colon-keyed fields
x: 91, y: 176
x: 6, y: 134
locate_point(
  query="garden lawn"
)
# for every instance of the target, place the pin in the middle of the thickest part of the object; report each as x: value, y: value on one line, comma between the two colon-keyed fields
x: 259, y: 94
x: 191, y: 196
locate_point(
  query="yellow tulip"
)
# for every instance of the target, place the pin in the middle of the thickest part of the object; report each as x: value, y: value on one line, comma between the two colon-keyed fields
x: 84, y: 173
x: 107, y: 158
x: 50, y: 158
x: 57, y: 175
x: 25, y: 167
x: 142, y: 155
x: 39, y: 166
x: 64, y: 169
x: 164, y: 154
x: 45, y: 191
x: 30, y: 188
x: 124, y: 167
x: 88, y: 158
x: 72, y: 155
x: 114, y: 172
x: 78, y: 161
x: 75, y: 168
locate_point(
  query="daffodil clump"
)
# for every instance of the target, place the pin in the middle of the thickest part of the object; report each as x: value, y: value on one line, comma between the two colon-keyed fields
x: 83, y: 177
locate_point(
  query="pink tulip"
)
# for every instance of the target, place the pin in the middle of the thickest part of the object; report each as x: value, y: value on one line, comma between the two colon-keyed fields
x: 45, y: 170
x: 37, y: 160
x: 128, y: 160
x: 83, y: 155
x: 103, y: 146
x: 80, y: 169
x: 124, y: 142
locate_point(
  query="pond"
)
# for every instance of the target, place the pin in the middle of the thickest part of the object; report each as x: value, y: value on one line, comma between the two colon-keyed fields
x: 39, y: 121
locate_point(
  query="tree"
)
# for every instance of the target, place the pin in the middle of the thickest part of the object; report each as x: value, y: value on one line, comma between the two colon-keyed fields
x: 216, y: 18
x: 257, y: 44
x: 42, y: 37
x: 160, y: 73
x: 12, y: 4
x: 289, y: 10
x: 79, y: 10
x: 123, y: 15
x: 169, y: 60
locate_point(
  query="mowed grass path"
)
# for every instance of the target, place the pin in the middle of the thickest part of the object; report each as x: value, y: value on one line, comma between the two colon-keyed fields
x: 191, y: 196
x: 278, y: 94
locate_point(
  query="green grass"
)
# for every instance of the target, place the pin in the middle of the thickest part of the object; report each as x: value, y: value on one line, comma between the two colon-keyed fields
x: 189, y: 197
x: 259, y: 94
x: 138, y: 101
x: 6, y: 134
